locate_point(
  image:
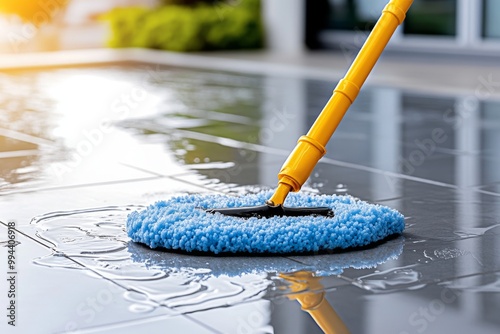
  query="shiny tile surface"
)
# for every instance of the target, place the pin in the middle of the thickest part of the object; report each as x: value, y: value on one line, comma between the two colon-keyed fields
x: 82, y: 147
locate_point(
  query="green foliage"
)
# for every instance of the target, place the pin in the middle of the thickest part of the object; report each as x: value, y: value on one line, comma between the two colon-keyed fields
x: 188, y: 2
x: 220, y: 26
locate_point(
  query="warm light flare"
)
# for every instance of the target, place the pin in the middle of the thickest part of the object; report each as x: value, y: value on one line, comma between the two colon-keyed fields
x: 34, y: 11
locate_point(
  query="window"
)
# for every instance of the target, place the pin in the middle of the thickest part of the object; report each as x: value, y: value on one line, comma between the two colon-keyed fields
x: 432, y: 17
x: 355, y: 14
x: 434, y: 26
x: 491, y: 22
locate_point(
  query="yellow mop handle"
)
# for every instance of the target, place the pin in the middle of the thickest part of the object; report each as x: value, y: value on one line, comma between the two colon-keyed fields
x: 311, y: 147
x: 310, y: 293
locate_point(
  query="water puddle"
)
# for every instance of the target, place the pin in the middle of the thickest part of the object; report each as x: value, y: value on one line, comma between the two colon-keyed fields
x: 95, y: 241
x: 477, y: 284
x: 473, y: 232
x: 403, y: 278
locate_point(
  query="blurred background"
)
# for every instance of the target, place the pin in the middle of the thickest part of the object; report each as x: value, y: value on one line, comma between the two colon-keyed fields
x: 292, y: 26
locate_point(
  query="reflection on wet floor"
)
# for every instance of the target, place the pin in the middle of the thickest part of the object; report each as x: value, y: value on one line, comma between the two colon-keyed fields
x: 81, y: 147
x: 313, y: 301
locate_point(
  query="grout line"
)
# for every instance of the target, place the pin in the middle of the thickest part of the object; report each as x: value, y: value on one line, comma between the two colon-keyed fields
x: 202, y: 324
x: 123, y: 324
x: 31, y: 238
x: 387, y: 173
x: 389, y: 199
x: 176, y: 177
x: 79, y: 186
x: 197, y: 185
x: 296, y: 261
x: 496, y: 183
x: 228, y: 142
x: 25, y: 137
x: 142, y: 169
x: 220, y: 116
x: 20, y: 153
x: 486, y: 192
x: 170, y: 176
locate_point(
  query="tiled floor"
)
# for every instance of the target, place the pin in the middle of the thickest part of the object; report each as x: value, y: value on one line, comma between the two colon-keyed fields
x: 81, y: 147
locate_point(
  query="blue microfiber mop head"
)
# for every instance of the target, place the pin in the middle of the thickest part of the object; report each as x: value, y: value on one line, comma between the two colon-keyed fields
x: 181, y: 223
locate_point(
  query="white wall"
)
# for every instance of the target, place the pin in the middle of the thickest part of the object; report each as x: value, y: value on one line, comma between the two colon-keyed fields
x: 285, y: 24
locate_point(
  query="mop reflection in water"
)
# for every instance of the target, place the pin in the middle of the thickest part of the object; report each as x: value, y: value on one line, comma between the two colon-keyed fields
x: 313, y: 301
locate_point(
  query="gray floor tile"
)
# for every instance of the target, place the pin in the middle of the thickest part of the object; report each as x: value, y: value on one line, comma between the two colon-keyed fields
x: 251, y: 317
x: 434, y: 308
x: 53, y: 300
x: 178, y: 324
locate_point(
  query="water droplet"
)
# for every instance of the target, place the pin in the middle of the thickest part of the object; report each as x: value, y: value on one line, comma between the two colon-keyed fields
x: 318, y: 185
x: 341, y: 188
x: 141, y: 308
x: 428, y: 256
x: 392, y: 279
x: 449, y: 253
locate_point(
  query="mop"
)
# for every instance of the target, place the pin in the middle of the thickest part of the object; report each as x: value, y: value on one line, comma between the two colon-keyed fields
x: 260, y: 223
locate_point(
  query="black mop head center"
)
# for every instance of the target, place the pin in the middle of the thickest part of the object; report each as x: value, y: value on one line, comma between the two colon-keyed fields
x: 268, y: 211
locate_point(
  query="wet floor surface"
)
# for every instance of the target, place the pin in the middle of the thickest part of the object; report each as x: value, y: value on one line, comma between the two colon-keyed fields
x: 80, y: 148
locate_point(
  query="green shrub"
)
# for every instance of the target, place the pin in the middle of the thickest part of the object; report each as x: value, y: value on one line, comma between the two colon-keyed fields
x: 219, y: 26
x: 188, y: 2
